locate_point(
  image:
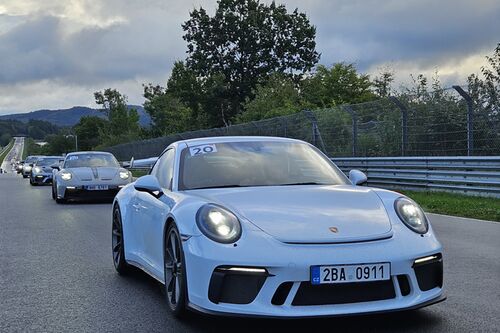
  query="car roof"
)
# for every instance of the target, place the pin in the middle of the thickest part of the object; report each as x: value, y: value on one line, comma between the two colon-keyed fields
x: 89, y: 153
x: 222, y: 139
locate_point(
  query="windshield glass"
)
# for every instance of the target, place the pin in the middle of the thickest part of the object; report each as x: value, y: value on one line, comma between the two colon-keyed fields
x: 30, y: 159
x: 90, y: 160
x: 256, y: 163
x: 47, y: 161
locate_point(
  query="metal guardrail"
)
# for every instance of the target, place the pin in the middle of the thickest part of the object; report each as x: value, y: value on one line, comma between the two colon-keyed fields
x: 478, y: 175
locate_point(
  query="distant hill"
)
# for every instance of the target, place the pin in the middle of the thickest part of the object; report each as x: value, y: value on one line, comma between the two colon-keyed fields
x: 71, y: 116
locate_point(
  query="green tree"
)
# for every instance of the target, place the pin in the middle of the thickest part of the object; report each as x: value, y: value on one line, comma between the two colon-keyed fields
x: 382, y: 83
x: 58, y: 144
x: 277, y: 97
x: 245, y: 42
x: 339, y: 84
x: 123, y: 123
x: 168, y: 113
x: 90, y: 131
x: 5, y: 139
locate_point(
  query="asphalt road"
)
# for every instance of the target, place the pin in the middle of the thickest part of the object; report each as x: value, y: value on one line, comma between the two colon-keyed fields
x: 56, y: 274
x: 15, y: 153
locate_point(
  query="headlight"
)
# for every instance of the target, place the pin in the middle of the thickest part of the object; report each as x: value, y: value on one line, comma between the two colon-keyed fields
x: 37, y: 170
x: 66, y: 175
x: 218, y: 224
x: 28, y: 168
x: 124, y: 174
x: 411, y: 215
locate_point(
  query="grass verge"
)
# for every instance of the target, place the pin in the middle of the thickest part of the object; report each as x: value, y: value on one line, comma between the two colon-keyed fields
x: 6, y: 151
x: 457, y: 205
x: 138, y: 172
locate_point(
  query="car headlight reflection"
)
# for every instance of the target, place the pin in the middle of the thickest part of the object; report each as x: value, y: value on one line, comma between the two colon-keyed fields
x: 124, y: 174
x: 218, y: 224
x: 66, y: 176
x: 411, y: 215
x: 37, y: 170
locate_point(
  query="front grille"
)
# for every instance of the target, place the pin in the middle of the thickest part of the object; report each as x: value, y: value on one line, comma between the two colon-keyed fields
x: 343, y: 293
x: 91, y: 194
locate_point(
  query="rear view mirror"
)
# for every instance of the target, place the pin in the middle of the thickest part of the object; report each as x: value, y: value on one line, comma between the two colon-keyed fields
x: 148, y: 184
x: 357, y: 177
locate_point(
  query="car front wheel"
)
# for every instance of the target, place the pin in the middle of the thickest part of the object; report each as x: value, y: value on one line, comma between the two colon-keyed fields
x: 175, y: 272
x: 58, y: 200
x: 117, y: 243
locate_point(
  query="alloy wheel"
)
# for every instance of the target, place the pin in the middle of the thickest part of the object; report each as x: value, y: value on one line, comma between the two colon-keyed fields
x: 173, y: 268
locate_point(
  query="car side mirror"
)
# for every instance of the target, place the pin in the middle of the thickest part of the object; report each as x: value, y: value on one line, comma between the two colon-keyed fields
x: 31, y: 164
x: 55, y: 167
x: 357, y: 177
x: 148, y: 184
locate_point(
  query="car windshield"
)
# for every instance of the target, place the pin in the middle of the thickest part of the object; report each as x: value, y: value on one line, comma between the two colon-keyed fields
x: 255, y: 163
x: 90, y: 160
x: 47, y: 161
x: 30, y: 159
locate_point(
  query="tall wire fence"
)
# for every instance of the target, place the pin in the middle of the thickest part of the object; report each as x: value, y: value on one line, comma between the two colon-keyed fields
x: 446, y: 123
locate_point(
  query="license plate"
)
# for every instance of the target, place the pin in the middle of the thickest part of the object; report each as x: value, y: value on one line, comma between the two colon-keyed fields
x: 350, y: 273
x: 97, y: 187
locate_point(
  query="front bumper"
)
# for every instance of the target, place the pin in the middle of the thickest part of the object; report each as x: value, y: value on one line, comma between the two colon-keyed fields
x: 286, y: 290
x: 79, y: 191
x: 41, y: 178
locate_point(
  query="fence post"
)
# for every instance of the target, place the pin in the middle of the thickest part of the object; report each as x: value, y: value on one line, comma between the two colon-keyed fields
x: 316, y: 134
x: 470, y: 119
x: 404, y: 123
x: 354, y: 117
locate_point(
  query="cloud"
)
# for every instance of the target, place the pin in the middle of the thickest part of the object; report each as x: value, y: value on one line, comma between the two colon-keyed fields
x: 52, y: 48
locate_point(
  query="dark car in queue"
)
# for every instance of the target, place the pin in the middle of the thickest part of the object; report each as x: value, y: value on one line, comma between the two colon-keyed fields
x: 41, y: 172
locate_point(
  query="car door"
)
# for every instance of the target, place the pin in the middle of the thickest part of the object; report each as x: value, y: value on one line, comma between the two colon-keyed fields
x: 152, y: 213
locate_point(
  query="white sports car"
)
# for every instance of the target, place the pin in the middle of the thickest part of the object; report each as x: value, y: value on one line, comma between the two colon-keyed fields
x: 88, y: 175
x: 259, y: 226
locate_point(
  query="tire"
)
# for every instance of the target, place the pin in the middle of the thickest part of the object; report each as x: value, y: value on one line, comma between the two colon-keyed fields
x: 53, y: 192
x: 175, y: 272
x: 117, y: 243
x: 59, y: 200
x: 24, y: 176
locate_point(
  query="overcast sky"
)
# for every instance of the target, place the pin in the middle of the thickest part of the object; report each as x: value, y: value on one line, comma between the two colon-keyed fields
x: 56, y: 53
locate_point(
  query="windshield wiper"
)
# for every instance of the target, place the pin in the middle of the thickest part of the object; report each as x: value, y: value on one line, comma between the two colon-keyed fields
x: 303, y: 183
x: 217, y: 186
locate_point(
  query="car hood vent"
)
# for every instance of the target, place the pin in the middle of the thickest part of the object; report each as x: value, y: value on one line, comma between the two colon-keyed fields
x: 100, y: 173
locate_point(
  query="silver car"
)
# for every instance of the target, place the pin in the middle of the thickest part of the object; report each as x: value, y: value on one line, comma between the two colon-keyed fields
x: 28, y: 165
x: 92, y: 175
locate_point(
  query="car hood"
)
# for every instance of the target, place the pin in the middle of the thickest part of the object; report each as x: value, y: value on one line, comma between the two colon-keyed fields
x: 46, y: 169
x: 308, y: 214
x: 96, y: 173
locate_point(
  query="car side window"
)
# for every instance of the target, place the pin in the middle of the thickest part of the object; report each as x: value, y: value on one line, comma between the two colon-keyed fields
x: 164, y: 169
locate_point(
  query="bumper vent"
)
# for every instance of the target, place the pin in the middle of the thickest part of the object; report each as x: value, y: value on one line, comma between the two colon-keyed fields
x: 236, y: 287
x: 429, y: 273
x: 343, y: 293
x: 404, y: 285
x: 281, y: 293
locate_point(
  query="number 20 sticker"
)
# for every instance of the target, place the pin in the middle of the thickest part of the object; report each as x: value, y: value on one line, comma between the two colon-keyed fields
x: 200, y: 150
